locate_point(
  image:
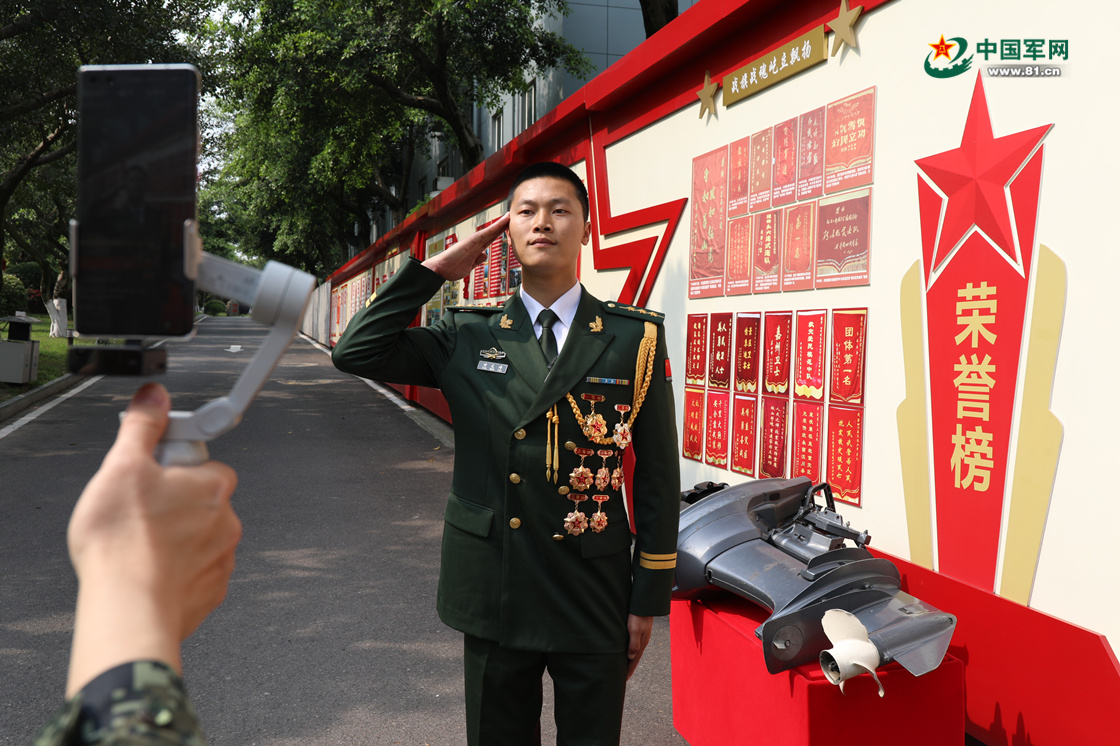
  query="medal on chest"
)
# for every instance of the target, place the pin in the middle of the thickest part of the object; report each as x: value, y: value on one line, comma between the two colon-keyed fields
x: 594, y: 427
x: 576, y: 522
x: 598, y: 520
x: 603, y: 476
x: 581, y: 477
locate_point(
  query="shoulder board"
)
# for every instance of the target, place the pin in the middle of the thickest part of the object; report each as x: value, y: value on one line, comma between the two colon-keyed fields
x: 635, y: 312
x: 475, y: 309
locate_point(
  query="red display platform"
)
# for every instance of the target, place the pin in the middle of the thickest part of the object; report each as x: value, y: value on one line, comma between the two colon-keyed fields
x: 723, y: 695
x: 1029, y: 678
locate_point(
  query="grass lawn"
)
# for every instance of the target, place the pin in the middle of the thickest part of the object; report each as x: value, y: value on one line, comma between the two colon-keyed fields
x: 52, y: 357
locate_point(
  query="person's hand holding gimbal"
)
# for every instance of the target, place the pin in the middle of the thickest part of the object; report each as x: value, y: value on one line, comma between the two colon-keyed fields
x: 153, y: 548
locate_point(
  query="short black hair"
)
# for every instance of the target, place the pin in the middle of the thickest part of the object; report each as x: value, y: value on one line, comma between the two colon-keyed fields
x: 551, y: 169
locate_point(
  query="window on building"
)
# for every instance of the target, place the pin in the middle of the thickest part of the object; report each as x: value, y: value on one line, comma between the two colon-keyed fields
x: 496, y: 130
x: 444, y: 167
x: 423, y: 187
x: 528, y: 106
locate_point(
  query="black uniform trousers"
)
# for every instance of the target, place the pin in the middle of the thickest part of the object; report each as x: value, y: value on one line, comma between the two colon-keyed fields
x: 504, y: 695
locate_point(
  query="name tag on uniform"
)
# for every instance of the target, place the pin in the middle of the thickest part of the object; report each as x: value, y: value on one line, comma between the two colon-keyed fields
x: 492, y: 367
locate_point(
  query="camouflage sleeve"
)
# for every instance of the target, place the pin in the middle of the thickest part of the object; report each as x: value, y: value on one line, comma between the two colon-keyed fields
x: 136, y: 703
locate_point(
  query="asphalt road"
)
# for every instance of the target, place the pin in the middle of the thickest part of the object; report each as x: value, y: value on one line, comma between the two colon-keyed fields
x: 329, y: 633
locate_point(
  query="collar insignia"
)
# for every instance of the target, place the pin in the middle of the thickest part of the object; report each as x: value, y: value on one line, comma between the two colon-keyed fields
x: 596, y: 325
x: 506, y: 322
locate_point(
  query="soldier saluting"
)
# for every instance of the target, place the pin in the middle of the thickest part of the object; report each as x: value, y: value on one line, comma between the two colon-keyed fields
x: 540, y: 568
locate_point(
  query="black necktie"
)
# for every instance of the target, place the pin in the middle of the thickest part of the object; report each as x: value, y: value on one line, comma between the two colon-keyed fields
x: 546, y: 319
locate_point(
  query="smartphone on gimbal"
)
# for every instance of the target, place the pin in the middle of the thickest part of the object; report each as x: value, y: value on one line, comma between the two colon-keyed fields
x: 137, y: 182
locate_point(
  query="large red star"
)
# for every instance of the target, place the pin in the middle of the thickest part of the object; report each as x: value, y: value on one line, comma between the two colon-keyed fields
x: 974, y: 178
x: 942, y: 48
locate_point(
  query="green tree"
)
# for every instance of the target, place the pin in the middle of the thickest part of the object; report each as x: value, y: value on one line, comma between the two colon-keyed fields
x: 436, y: 57
x: 13, y: 297
x: 42, y: 43
x: 327, y: 104
x: 37, y: 225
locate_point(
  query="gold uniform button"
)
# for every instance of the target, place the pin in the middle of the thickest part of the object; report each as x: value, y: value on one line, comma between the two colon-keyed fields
x: 570, y: 445
x: 558, y: 537
x: 515, y: 523
x: 515, y: 478
x: 520, y: 434
x: 563, y: 490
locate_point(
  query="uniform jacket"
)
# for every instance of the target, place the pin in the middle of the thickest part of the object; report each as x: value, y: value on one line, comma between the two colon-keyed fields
x: 510, y: 572
x: 142, y: 702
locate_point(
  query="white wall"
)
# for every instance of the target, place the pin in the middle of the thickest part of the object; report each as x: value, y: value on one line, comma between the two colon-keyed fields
x: 919, y: 116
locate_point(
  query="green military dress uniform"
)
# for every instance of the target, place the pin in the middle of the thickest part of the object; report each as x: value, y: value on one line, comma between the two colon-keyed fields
x: 511, y: 572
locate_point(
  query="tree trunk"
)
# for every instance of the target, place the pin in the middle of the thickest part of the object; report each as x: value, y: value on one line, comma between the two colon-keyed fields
x: 62, y: 283
x: 656, y: 14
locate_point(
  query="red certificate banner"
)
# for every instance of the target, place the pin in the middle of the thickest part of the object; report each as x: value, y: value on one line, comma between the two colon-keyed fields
x: 739, y: 178
x: 739, y: 257
x: 709, y: 224
x: 744, y: 425
x: 498, y: 283
x: 748, y: 351
x: 849, y: 355
x: 850, y: 142
x: 480, y: 282
x: 844, y: 239
x: 845, y: 453
x: 766, y: 247
x: 778, y: 340
x: 762, y: 156
x: 717, y: 428
x: 692, y: 438
x: 812, y: 346
x: 784, y: 180
x: 719, y: 358
x: 513, y: 270
x: 772, y: 452
x: 799, y: 246
x: 336, y: 314
x: 810, y: 154
x: 808, y: 431
x: 696, y: 349
x: 978, y: 206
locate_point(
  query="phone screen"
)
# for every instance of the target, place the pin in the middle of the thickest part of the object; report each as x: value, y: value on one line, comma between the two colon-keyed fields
x: 137, y: 176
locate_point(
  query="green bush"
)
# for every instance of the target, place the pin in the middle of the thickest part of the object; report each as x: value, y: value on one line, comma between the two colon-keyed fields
x: 214, y: 307
x: 29, y: 273
x: 13, y: 296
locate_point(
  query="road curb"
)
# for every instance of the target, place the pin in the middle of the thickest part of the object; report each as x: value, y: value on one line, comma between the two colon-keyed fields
x: 17, y: 404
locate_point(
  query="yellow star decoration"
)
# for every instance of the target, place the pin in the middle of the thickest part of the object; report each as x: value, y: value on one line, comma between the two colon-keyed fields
x: 844, y: 27
x: 942, y: 47
x: 707, y: 95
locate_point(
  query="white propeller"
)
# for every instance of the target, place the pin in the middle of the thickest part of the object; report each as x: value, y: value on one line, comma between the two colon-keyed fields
x: 852, y: 653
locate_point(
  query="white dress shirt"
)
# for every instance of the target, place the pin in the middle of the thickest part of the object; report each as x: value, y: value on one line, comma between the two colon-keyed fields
x: 564, y: 307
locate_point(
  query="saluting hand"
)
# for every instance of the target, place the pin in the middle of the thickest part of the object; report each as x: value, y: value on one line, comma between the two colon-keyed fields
x: 456, y: 261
